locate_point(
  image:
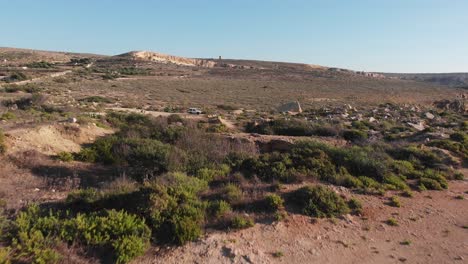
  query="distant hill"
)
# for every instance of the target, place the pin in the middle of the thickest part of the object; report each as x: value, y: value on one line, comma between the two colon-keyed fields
x: 21, y: 57
x: 449, y: 79
x: 14, y: 56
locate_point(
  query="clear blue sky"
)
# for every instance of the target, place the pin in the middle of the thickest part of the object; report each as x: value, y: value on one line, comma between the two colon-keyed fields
x: 371, y: 35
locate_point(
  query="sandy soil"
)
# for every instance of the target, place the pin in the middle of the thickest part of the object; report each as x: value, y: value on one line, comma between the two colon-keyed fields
x: 52, y: 139
x: 432, y: 222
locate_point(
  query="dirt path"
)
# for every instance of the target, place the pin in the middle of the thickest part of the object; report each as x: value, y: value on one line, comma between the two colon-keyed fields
x: 53, y: 75
x: 430, y: 230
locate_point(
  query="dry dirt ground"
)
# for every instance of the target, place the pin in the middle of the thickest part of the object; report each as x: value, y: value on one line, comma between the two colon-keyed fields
x: 264, y: 95
x: 52, y: 139
x: 29, y: 174
x: 432, y: 229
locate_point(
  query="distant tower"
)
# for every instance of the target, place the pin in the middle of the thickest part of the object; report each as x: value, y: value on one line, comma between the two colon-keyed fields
x: 220, y: 58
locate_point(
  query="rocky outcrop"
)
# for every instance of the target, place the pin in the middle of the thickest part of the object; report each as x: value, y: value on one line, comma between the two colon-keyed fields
x: 164, y: 58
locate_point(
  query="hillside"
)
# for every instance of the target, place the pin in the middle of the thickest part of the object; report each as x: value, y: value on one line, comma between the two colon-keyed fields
x: 100, y: 162
x: 449, y: 79
x: 16, y: 57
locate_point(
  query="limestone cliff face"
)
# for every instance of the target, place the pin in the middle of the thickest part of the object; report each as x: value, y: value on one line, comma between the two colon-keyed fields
x: 164, y: 58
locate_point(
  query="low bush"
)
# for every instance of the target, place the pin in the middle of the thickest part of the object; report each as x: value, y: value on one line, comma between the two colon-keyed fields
x: 28, y: 88
x: 394, y: 201
x: 457, y: 176
x: 16, y: 77
x: 35, y: 101
x: 241, y: 222
x: 218, y: 208
x: 145, y: 158
x: 319, y: 201
x: 89, y: 195
x: 65, y: 156
x: 174, y: 118
x: 459, y: 137
x: 458, y: 147
x: 97, y: 99
x: 355, y: 206
x: 293, y: 127
x: 208, y: 174
x: 392, y: 222
x: 231, y: 193
x: 394, y: 182
x: 8, y: 116
x: 274, y: 202
x: 433, y: 180
x: 407, y: 193
x: 3, y: 147
x: 40, y: 64
x: 429, y: 184
x: 35, y: 234
x: 282, y: 127
x: 354, y: 135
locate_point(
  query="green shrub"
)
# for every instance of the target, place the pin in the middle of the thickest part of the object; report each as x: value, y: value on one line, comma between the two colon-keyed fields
x: 146, y: 157
x: 354, y: 135
x: 319, y: 201
x: 392, y: 222
x: 174, y: 118
x: 405, y: 242
x: 407, y: 193
x: 292, y: 127
x: 231, y: 193
x: 16, y: 77
x: 274, y: 202
x: 8, y: 116
x: 208, y: 174
x: 65, y: 156
x: 28, y: 88
x: 35, y: 235
x: 459, y: 148
x: 355, y: 205
x: 97, y: 99
x: 269, y: 167
x: 89, y: 195
x: 241, y: 222
x: 128, y: 248
x: 218, y: 208
x: 394, y: 182
x: 2, y: 143
x: 429, y: 184
x: 40, y: 64
x: 395, y: 201
x: 421, y: 158
x: 277, y: 254
x: 433, y: 180
x: 5, y: 254
x: 403, y: 168
x: 87, y: 155
x: 457, y: 176
x: 170, y: 204
x: 459, y: 137
x: 369, y: 183
x: 185, y: 229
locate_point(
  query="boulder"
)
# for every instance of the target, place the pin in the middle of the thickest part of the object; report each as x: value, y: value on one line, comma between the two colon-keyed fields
x: 429, y: 116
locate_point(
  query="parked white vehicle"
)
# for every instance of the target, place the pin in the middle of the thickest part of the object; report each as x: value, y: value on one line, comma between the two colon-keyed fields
x: 194, y: 111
